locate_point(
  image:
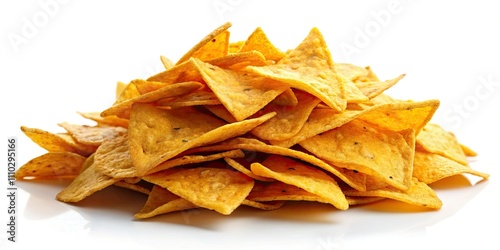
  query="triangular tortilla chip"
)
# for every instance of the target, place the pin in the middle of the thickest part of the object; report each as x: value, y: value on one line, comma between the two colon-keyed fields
x: 242, y: 93
x: 359, y: 146
x: 435, y: 139
x: 258, y: 41
x: 429, y: 168
x: 213, y: 45
x: 222, y: 190
x: 288, y: 120
x: 306, y: 177
x: 309, y: 67
x: 52, y: 165
x: 156, y: 135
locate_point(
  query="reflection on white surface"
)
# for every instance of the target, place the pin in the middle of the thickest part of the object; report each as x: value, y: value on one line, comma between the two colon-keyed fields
x: 108, y: 215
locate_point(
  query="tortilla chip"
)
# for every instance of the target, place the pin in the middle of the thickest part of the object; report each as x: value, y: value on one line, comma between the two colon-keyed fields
x: 52, y: 165
x: 162, y: 201
x: 171, y: 132
x: 362, y: 147
x: 57, y: 142
x: 92, y: 135
x: 306, y: 177
x: 242, y: 93
x: 418, y: 194
x: 122, y: 109
x: 288, y: 120
x: 309, y: 67
x: 222, y: 190
x: 429, y: 168
x: 258, y: 41
x: 434, y: 139
x: 85, y: 184
x: 213, y: 45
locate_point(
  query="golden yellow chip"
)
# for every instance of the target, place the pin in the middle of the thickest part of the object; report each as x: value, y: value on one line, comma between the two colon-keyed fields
x: 222, y: 190
x: 197, y: 98
x: 191, y: 159
x: 52, y: 165
x: 258, y: 41
x: 270, y: 205
x: 56, y: 142
x: 129, y: 91
x: 171, y: 132
x: 245, y: 170
x: 434, y: 139
x: 288, y: 120
x: 162, y: 201
x: 362, y: 147
x: 92, y: 135
x: 213, y: 45
x: 105, y: 121
x: 309, y: 67
x: 242, y: 93
x: 122, y: 109
x: 372, y: 89
x: 279, y: 191
x: 167, y: 63
x: 429, y: 168
x: 112, y: 158
x: 306, y: 177
x: 184, y: 72
x: 418, y: 194
x: 350, y: 71
x: 133, y: 186
x: 85, y: 184
x: 239, y: 60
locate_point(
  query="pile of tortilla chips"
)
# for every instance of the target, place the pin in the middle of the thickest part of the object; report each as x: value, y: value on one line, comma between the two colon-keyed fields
x: 244, y: 123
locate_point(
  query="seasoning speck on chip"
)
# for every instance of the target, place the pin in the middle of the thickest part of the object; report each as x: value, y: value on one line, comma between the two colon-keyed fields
x: 245, y: 124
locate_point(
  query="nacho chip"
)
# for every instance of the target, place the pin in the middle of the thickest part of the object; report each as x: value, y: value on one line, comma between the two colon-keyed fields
x: 372, y: 89
x: 309, y: 67
x: 56, y: 142
x: 429, y: 168
x: 242, y: 93
x: 105, y: 121
x: 171, y: 132
x: 122, y: 109
x: 239, y: 60
x: 258, y: 41
x: 183, y: 72
x: 167, y: 63
x: 359, y: 146
x: 270, y: 205
x: 85, y: 184
x: 162, y: 201
x: 52, y: 165
x: 288, y: 120
x: 306, y: 177
x: 197, y: 98
x: 213, y: 45
x: 434, y: 139
x: 112, y: 158
x: 418, y: 194
x: 130, y: 91
x: 90, y: 135
x: 222, y: 190
x: 279, y: 191
x: 245, y: 170
x: 190, y: 159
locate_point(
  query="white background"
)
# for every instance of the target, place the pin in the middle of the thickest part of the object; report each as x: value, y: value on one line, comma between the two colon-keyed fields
x: 59, y: 57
